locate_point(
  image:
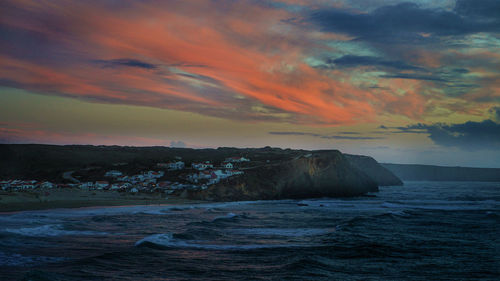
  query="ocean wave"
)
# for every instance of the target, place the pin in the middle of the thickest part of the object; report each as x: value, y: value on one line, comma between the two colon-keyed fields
x: 287, y: 232
x: 20, y: 260
x: 167, y: 240
x: 392, y: 205
x: 401, y: 213
x: 50, y: 230
x: 441, y: 205
x: 231, y: 217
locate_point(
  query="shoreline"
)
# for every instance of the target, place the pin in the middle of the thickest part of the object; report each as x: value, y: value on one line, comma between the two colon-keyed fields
x: 72, y: 198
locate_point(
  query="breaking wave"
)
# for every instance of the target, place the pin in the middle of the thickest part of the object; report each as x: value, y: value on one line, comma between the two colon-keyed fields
x: 169, y: 240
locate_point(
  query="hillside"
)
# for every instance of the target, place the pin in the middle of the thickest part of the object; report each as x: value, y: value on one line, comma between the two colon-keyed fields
x: 381, y: 175
x: 48, y: 162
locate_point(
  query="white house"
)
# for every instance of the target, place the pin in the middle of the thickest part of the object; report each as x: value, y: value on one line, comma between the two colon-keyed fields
x: 153, y: 174
x: 101, y: 184
x: 5, y: 184
x: 27, y: 186
x: 237, y: 159
x: 177, y: 165
x: 227, y: 165
x: 125, y: 185
x: 201, y: 166
x: 222, y: 174
x: 47, y: 184
x: 87, y: 185
x: 122, y: 178
x: 113, y: 173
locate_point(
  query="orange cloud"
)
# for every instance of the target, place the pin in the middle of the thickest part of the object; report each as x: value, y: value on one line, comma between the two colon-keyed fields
x: 217, y: 60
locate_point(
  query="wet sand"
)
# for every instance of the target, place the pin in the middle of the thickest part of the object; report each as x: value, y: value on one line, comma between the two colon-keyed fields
x: 76, y: 198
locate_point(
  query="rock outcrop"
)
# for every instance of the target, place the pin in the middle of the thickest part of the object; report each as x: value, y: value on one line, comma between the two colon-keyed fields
x: 318, y: 174
x: 381, y: 175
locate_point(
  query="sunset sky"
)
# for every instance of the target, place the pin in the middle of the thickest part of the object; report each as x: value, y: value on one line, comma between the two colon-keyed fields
x: 404, y: 82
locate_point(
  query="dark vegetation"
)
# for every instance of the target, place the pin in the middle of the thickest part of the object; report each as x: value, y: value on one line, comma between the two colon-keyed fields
x: 48, y: 162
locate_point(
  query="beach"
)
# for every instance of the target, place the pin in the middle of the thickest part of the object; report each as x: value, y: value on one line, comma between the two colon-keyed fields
x: 76, y: 198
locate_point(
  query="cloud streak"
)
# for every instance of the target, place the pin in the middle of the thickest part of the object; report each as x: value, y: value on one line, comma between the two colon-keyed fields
x: 335, y: 137
x: 126, y: 62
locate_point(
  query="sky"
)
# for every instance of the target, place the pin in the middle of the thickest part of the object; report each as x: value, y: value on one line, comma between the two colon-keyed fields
x: 404, y: 82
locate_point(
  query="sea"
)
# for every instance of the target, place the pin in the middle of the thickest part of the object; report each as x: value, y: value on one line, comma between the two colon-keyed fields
x: 419, y: 231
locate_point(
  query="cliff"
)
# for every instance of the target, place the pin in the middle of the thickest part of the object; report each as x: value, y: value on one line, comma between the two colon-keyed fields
x: 318, y: 174
x: 440, y: 173
x: 381, y: 175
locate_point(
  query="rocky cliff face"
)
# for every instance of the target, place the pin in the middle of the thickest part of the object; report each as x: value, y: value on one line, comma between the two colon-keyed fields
x: 381, y: 175
x: 318, y: 174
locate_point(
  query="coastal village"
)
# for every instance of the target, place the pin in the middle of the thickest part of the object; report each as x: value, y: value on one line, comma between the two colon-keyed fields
x: 167, y: 177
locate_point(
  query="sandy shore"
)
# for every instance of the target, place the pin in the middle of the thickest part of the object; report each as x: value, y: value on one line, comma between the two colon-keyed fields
x: 75, y: 198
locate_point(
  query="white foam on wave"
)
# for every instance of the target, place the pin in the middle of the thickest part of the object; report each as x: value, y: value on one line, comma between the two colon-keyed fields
x: 167, y: 240
x: 289, y: 232
x: 227, y: 216
x: 50, y: 230
x: 441, y: 205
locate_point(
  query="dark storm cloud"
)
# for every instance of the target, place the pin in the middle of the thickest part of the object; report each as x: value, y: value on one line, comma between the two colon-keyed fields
x: 485, y: 9
x: 469, y: 135
x: 355, y: 61
x: 323, y: 136
x: 413, y: 129
x: 406, y: 22
x: 126, y: 62
x: 414, y: 77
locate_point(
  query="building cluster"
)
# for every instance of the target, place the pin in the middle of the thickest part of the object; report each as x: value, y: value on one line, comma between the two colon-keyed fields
x: 199, y: 176
x: 16, y: 185
x: 211, y: 176
x: 145, y: 181
x: 176, y: 165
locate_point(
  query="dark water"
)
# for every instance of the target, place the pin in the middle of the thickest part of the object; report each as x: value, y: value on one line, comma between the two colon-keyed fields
x: 422, y: 231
